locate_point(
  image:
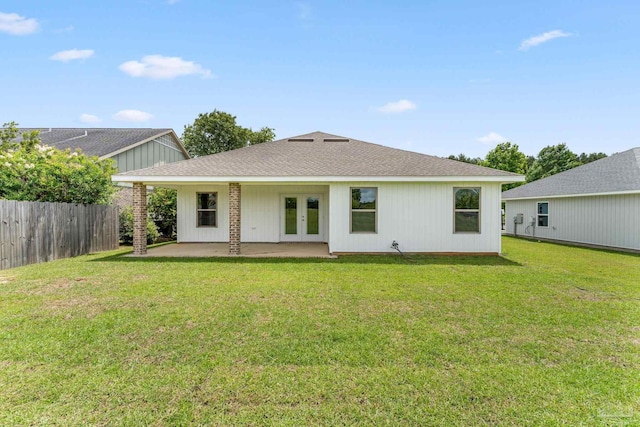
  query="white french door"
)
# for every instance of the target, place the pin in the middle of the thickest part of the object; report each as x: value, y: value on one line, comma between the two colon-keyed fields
x: 301, y: 218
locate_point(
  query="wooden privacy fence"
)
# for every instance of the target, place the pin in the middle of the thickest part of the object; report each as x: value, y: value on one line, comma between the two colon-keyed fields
x: 33, y: 232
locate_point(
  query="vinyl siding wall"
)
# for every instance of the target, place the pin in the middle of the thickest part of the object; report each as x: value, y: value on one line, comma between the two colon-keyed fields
x: 260, y: 212
x: 187, y: 231
x: 599, y: 220
x: 149, y: 154
x: 419, y: 216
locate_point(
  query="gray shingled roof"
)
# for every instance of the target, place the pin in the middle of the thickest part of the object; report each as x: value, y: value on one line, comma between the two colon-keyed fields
x: 618, y: 172
x: 319, y: 154
x: 95, y: 141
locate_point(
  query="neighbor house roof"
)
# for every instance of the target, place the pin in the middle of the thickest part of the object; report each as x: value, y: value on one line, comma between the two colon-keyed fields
x: 618, y: 173
x: 100, y: 142
x: 316, y: 155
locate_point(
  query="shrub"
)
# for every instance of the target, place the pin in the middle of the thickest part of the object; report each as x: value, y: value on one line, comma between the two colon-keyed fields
x: 126, y: 227
x: 30, y: 171
x: 162, y: 207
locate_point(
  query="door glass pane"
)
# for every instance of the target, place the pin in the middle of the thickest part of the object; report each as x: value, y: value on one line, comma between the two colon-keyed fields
x: 313, y: 222
x: 291, y: 215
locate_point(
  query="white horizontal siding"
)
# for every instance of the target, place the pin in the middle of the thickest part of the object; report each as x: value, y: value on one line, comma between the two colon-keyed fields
x: 419, y: 216
x: 599, y: 220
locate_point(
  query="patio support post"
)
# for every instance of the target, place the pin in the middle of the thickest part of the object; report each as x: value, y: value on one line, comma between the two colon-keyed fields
x: 139, y: 218
x: 234, y: 218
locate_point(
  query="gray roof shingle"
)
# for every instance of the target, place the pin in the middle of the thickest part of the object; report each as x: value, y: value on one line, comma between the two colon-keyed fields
x: 319, y: 154
x: 95, y: 141
x: 618, y: 172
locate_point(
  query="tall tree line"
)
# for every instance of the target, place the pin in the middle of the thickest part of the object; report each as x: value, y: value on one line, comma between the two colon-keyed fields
x: 551, y: 160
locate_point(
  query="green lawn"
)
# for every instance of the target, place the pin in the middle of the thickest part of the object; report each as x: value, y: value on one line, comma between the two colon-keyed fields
x: 547, y: 335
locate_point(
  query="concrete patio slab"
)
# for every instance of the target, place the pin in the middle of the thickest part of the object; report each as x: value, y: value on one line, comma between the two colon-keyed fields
x: 249, y: 250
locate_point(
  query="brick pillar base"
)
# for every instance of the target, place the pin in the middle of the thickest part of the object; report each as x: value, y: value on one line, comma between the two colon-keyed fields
x: 234, y: 218
x: 139, y: 218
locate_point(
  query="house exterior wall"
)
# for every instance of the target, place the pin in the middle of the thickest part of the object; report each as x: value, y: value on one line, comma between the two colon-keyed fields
x: 419, y: 216
x: 152, y: 153
x: 187, y: 231
x: 261, y: 210
x: 260, y: 207
x: 612, y: 220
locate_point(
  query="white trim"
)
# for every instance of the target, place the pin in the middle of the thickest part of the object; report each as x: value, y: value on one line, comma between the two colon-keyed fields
x: 144, y: 141
x: 542, y: 196
x: 159, y: 180
x: 539, y: 214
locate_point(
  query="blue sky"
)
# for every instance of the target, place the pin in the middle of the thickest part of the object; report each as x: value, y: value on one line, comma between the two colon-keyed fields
x: 438, y: 77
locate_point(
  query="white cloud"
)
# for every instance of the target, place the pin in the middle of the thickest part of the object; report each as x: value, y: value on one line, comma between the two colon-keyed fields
x: 542, y: 38
x: 132, y: 116
x: 397, y: 106
x: 70, y: 55
x: 89, y: 118
x: 492, y: 138
x: 17, y: 25
x: 163, y: 67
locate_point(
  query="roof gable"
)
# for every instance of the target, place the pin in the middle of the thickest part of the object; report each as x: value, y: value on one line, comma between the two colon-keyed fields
x: 619, y: 172
x: 319, y: 154
x: 100, y: 141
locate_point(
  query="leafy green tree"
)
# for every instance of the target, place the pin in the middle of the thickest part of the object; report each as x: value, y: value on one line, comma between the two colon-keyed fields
x: 464, y: 158
x: 31, y: 171
x: 126, y: 227
x: 585, y: 158
x: 530, y: 161
x: 507, y: 157
x: 162, y: 209
x: 9, y: 138
x: 218, y: 131
x: 551, y: 160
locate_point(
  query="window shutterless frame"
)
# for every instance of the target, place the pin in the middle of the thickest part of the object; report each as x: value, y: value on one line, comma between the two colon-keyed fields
x: 357, y: 210
x: 542, y: 214
x: 211, y: 197
x: 468, y: 211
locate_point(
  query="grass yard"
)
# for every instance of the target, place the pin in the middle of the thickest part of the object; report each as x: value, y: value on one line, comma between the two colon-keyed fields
x: 547, y: 335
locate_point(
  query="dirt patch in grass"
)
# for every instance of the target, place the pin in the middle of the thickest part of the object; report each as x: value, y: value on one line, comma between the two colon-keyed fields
x: 58, y: 285
x: 73, y: 307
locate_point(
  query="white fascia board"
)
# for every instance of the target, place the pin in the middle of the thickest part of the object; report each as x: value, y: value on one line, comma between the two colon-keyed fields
x: 561, y: 196
x: 315, y: 179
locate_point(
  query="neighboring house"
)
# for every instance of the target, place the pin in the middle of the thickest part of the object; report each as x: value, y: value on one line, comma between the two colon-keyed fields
x: 595, y: 204
x: 130, y: 148
x: 134, y: 148
x: 353, y: 195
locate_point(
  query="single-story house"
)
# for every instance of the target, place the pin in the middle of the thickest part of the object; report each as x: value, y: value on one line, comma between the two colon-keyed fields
x: 594, y: 204
x: 353, y: 195
x: 131, y: 148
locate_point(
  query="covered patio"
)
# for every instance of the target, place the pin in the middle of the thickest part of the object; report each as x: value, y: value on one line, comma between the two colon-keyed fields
x: 248, y: 250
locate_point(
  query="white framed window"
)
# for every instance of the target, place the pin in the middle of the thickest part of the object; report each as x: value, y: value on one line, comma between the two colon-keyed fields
x: 466, y: 210
x: 543, y: 214
x: 364, y: 210
x: 206, y: 209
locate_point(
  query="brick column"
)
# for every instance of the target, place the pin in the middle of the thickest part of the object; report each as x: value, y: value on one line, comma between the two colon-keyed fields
x: 234, y: 218
x: 139, y: 218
